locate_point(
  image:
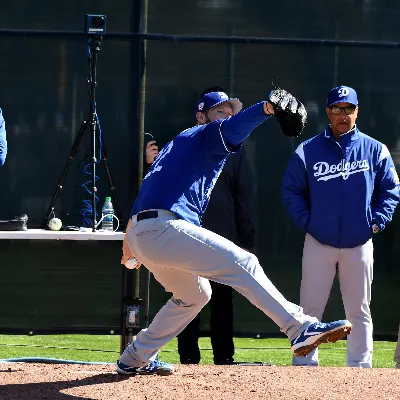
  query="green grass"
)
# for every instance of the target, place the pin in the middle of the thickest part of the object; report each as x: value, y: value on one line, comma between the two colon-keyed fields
x: 105, y: 348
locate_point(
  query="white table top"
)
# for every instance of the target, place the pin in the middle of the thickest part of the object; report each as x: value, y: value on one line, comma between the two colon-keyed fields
x: 61, y: 235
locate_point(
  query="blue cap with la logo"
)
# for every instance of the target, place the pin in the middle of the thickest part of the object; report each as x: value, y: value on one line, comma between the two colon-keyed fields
x: 342, y: 94
x: 212, y: 99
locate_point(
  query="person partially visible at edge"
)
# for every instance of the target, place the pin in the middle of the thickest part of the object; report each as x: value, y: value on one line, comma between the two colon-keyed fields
x: 341, y: 188
x: 230, y: 215
x: 164, y: 234
x: 397, y: 351
x: 3, y: 140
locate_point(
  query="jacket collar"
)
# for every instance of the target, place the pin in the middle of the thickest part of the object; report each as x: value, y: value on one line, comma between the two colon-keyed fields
x: 351, y: 136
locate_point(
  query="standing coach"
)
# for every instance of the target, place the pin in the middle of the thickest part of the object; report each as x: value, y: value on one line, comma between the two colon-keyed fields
x: 341, y: 187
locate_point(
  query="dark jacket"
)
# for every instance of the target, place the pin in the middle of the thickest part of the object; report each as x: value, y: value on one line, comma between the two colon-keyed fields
x: 229, y: 212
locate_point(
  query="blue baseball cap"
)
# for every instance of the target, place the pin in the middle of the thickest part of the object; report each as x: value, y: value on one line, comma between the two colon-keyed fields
x: 342, y: 94
x: 212, y: 99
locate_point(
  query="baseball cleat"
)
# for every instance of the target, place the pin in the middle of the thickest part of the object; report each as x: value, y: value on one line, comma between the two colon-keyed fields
x: 319, y: 333
x: 154, y: 368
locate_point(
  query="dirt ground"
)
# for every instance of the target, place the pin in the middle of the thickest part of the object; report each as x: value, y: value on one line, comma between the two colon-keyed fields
x: 36, y: 381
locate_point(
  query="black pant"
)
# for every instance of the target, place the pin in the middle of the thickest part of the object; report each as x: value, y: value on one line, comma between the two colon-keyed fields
x: 221, y: 329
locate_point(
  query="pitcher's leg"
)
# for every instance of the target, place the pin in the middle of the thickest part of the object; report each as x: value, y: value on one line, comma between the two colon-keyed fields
x: 203, y: 253
x: 181, y: 246
x: 190, y: 294
x: 355, y: 276
x: 318, y: 272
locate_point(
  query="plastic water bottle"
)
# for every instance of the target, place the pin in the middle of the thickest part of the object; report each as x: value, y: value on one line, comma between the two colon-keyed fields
x: 107, y: 212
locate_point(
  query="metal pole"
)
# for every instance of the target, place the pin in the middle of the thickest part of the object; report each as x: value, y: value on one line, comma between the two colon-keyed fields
x: 131, y: 278
x: 142, y: 103
x: 94, y: 44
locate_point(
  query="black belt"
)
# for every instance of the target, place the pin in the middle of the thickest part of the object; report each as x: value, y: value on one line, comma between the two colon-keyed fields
x: 147, y: 215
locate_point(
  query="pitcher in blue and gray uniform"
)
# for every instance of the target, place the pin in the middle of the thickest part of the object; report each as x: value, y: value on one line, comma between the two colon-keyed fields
x: 165, y: 235
x: 341, y: 187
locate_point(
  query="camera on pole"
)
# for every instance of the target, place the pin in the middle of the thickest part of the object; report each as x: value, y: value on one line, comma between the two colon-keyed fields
x: 95, y: 24
x: 95, y: 27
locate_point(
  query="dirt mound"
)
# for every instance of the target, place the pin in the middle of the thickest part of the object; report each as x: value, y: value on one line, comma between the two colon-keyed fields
x: 36, y: 381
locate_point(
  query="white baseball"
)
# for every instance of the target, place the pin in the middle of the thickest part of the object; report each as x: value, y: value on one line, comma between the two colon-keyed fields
x: 55, y: 224
x: 132, y: 263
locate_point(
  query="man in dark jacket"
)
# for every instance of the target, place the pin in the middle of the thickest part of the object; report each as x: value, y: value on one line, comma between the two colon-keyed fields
x: 3, y: 140
x: 229, y: 214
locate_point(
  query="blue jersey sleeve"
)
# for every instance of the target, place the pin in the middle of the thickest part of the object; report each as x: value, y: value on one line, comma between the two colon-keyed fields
x: 295, y: 191
x: 3, y: 140
x: 386, y: 190
x: 212, y: 144
x: 223, y: 136
x: 238, y: 127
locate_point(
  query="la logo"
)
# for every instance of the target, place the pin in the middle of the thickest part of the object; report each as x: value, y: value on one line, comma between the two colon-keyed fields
x: 343, y: 92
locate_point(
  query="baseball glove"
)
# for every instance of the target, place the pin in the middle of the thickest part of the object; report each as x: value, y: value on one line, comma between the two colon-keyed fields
x: 290, y: 112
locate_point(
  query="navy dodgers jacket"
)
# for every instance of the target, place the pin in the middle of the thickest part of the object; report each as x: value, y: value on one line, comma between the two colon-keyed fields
x: 3, y: 140
x: 336, y: 190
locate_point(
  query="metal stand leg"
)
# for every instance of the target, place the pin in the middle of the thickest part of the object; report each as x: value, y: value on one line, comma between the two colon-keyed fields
x: 59, y: 188
x: 110, y: 180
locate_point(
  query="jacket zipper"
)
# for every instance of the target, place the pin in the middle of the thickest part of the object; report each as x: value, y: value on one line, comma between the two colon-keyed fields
x: 343, y: 162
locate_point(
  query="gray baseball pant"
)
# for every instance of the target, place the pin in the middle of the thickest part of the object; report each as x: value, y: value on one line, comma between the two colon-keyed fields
x: 397, y: 352
x: 182, y: 257
x: 355, y: 268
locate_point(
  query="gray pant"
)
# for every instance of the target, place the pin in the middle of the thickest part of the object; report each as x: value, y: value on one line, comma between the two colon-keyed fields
x: 355, y: 267
x: 397, y: 352
x: 182, y: 257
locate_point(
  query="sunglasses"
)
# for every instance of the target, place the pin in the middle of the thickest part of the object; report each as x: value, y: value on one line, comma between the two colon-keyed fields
x: 337, y: 110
